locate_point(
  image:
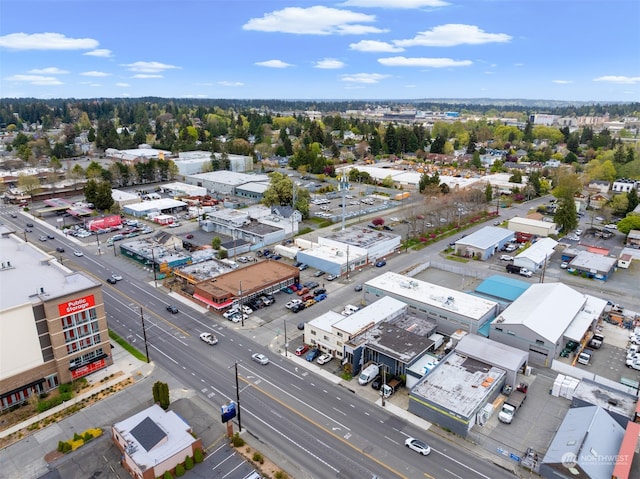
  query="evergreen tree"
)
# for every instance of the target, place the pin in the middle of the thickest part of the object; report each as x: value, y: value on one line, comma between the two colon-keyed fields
x: 632, y: 200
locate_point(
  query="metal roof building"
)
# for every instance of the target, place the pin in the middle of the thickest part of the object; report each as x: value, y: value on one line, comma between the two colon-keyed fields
x: 544, y: 318
x: 534, y: 257
x: 484, y: 243
x: 502, y: 288
x: 593, y: 265
x: 586, y: 445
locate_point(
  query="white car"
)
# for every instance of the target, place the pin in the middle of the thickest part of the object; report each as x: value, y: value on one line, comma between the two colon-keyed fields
x: 393, y: 218
x: 260, y: 358
x: 564, y: 265
x: 324, y: 358
x: 611, y: 226
x: 78, y: 253
x: 117, y: 277
x: 506, y: 257
x: 246, y: 309
x: 209, y: 338
x: 292, y: 303
x: 634, y: 365
x: 230, y: 313
x: 417, y: 445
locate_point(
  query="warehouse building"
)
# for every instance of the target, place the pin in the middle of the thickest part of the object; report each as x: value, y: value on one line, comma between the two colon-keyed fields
x: 545, y: 318
x: 452, y: 310
x: 53, y: 327
x: 484, y: 243
x: 224, y: 182
x: 532, y: 227
x: 535, y: 257
x: 592, y: 265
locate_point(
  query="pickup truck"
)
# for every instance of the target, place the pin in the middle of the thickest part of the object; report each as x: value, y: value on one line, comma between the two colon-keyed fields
x: 510, y: 406
x: 596, y: 341
x: 392, y: 386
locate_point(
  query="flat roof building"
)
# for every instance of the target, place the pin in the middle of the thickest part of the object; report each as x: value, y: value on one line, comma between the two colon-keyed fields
x: 484, y: 243
x: 452, y: 310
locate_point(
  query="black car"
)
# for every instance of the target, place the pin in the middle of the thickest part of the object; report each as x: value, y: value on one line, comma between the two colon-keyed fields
x: 357, y: 287
x: 110, y: 280
x: 60, y: 249
x: 300, y: 326
x: 51, y: 237
x: 296, y: 308
x: 311, y: 285
x: 297, y: 264
x: 377, y: 383
x: 388, y: 228
x: 172, y: 309
x: 319, y: 291
x: 29, y: 225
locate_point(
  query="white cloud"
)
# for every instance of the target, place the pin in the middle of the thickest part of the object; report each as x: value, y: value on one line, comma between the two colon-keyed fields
x: 149, y: 67
x: 624, y: 80
x: 396, y: 4
x: 316, y: 20
x: 423, y: 62
x: 375, y: 46
x: 123, y: 85
x: 329, y: 64
x: 230, y: 83
x: 274, y: 64
x: 453, y: 34
x: 562, y: 82
x: 45, y: 41
x: 100, y: 52
x: 94, y: 84
x: 35, y: 80
x: 147, y: 75
x: 95, y: 74
x: 368, y: 78
x: 48, y: 71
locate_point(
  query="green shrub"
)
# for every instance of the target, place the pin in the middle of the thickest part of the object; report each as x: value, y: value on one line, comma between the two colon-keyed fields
x: 198, y: 456
x: 77, y: 437
x: 87, y: 437
x: 188, y: 463
x: 281, y: 475
x: 167, y: 475
x: 60, y: 446
x: 237, y: 441
x: 65, y: 388
x: 180, y: 470
x: 257, y: 457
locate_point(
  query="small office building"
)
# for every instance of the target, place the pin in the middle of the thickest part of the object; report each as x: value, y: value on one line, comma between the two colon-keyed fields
x: 532, y: 227
x: 153, y: 442
x: 593, y: 265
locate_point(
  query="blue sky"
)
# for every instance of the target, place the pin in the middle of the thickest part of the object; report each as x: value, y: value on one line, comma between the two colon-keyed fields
x: 571, y: 50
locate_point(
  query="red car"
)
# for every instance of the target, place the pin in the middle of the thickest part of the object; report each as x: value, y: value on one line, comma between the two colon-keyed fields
x: 302, y: 349
x: 303, y: 291
x: 307, y: 297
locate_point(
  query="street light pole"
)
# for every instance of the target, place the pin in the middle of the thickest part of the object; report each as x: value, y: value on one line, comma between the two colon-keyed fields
x: 240, y: 304
x: 153, y: 265
x: 285, y: 339
x: 144, y: 335
x: 238, y: 397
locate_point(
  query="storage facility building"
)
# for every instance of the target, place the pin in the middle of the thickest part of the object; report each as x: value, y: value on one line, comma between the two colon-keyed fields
x: 535, y: 257
x: 484, y: 243
x: 532, y: 227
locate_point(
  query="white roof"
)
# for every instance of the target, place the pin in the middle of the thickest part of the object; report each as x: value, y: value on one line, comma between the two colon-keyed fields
x: 230, y: 178
x: 588, y: 261
x: 547, y: 309
x: 153, y: 205
x: 486, y: 237
x: 592, y: 310
x: 532, y: 222
x: 168, y: 422
x: 469, y: 306
x: 119, y: 195
x: 257, y: 187
x: 540, y: 250
x: 493, y: 352
x: 325, y: 321
x: 370, y: 315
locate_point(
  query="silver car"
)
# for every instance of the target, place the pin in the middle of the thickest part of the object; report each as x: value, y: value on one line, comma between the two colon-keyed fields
x: 260, y: 358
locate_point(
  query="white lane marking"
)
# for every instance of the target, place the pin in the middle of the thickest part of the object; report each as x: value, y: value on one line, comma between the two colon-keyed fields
x: 309, y: 453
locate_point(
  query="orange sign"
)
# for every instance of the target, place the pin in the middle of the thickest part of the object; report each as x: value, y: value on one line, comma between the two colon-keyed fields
x: 76, y: 305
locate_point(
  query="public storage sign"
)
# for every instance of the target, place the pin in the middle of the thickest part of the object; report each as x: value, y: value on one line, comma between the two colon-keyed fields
x: 76, y: 305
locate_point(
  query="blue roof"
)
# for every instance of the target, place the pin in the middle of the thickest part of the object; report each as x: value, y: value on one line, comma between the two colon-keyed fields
x: 503, y: 287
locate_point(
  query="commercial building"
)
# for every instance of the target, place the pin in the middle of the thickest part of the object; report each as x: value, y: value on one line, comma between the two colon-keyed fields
x: 532, y: 227
x: 153, y: 441
x: 53, y: 327
x: 484, y: 243
x: 226, y: 290
x: 592, y: 265
x: 181, y: 190
x: 456, y: 391
x: 224, y: 183
x: 452, y: 310
x: 349, y: 249
x: 544, y: 318
x: 160, y: 206
x: 535, y: 257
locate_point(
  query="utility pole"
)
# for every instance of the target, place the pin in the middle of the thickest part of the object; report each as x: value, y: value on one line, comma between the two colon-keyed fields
x: 238, y: 398
x: 240, y: 304
x: 153, y: 265
x: 144, y: 335
x: 285, y: 339
x: 347, y: 262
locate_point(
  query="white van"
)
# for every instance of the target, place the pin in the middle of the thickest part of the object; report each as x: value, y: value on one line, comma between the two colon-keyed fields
x: 349, y: 309
x: 369, y: 374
